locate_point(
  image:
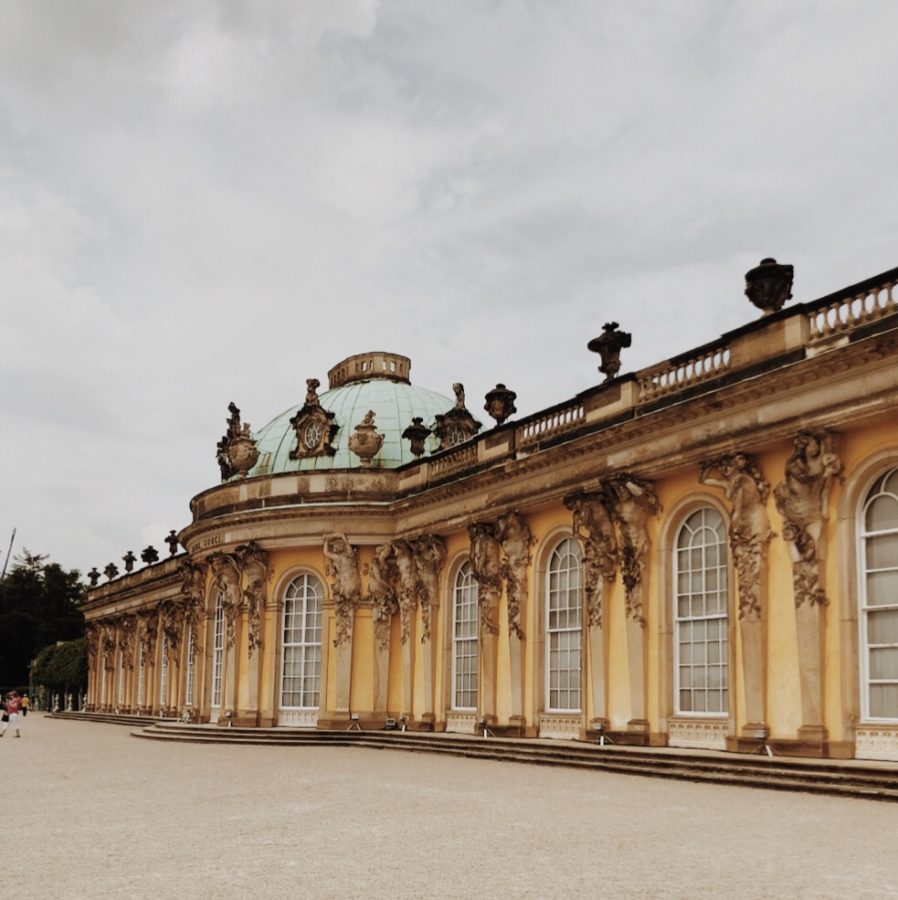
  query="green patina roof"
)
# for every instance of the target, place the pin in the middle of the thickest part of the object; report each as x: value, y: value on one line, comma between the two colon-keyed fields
x: 394, y: 405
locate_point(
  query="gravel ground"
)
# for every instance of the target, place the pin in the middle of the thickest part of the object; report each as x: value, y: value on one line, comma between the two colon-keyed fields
x: 94, y: 812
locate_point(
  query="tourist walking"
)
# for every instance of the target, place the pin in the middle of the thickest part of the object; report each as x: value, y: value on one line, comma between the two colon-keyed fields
x: 25, y: 703
x: 13, y: 707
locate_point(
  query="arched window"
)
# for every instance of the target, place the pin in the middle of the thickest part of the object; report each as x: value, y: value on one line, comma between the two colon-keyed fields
x: 700, y: 615
x: 464, y: 639
x: 141, y: 675
x: 163, y: 674
x: 189, y: 675
x: 217, y: 651
x: 878, y: 593
x: 564, y: 621
x: 301, y: 660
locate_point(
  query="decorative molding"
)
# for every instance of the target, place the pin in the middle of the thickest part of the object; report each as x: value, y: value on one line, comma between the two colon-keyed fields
x: 461, y: 723
x: 699, y: 734
x: 876, y: 742
x: 560, y: 726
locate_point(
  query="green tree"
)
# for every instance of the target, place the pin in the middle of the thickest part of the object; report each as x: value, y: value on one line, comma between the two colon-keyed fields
x: 38, y: 607
x: 62, y: 667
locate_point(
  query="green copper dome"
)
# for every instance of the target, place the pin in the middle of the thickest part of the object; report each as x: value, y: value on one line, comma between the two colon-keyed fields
x: 370, y: 381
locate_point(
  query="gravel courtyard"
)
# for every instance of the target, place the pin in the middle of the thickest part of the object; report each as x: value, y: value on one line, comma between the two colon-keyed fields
x: 92, y: 812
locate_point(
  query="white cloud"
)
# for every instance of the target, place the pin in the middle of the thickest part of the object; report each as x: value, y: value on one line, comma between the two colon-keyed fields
x: 216, y: 201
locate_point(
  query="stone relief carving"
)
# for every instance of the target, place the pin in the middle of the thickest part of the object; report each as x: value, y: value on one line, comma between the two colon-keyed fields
x: 343, y: 567
x: 127, y: 625
x: 382, y: 579
x: 171, y: 614
x: 593, y: 526
x: 236, y: 452
x: 365, y: 442
x: 148, y: 626
x: 516, y: 539
x: 457, y: 425
x: 802, y: 499
x: 226, y: 577
x: 107, y: 646
x: 92, y: 640
x: 486, y: 568
x: 254, y: 562
x: 193, y: 590
x: 747, y: 490
x: 406, y: 584
x: 314, y: 426
x: 430, y: 556
x: 632, y: 502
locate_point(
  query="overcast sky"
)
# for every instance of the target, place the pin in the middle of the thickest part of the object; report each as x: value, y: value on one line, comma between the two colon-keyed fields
x: 211, y: 201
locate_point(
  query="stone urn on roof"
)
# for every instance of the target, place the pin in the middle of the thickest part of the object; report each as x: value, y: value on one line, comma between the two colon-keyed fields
x: 365, y: 442
x: 769, y: 285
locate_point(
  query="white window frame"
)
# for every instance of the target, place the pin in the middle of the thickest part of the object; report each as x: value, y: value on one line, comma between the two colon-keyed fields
x: 307, y: 588
x: 572, y: 632
x: 465, y: 619
x: 190, y: 665
x: 217, y: 651
x: 721, y: 616
x: 163, y: 673
x: 864, y: 608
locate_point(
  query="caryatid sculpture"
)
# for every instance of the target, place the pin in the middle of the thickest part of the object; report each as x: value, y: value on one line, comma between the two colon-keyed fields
x: 226, y: 573
x: 632, y: 502
x: 254, y: 562
x: 802, y: 499
x: 346, y: 586
x: 172, y: 616
x: 486, y: 568
x: 430, y: 556
x: 193, y: 590
x: 382, y: 577
x: 516, y: 539
x: 747, y: 490
x: 593, y: 526
x: 407, y: 583
x: 126, y: 628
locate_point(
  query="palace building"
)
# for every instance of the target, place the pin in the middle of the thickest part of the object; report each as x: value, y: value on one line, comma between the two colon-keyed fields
x: 700, y: 554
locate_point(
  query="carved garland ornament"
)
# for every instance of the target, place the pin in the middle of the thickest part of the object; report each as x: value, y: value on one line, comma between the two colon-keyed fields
x: 256, y: 573
x: 486, y: 568
x: 516, y: 539
x: 226, y: 576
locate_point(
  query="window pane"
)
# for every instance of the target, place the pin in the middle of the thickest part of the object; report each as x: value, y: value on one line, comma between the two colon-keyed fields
x: 882, y: 588
x: 884, y: 663
x: 882, y: 551
x: 884, y: 701
x: 882, y: 514
x: 882, y: 626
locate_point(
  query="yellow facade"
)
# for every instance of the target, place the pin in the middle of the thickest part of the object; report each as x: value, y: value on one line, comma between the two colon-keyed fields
x: 792, y: 671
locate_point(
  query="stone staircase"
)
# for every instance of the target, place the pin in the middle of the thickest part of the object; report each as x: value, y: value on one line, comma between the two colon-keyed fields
x: 106, y: 718
x: 850, y: 778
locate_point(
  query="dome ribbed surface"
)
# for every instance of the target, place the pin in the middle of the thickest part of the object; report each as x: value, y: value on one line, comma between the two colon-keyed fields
x: 394, y: 405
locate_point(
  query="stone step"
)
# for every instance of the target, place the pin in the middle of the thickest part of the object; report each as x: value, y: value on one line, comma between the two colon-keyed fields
x: 879, y: 783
